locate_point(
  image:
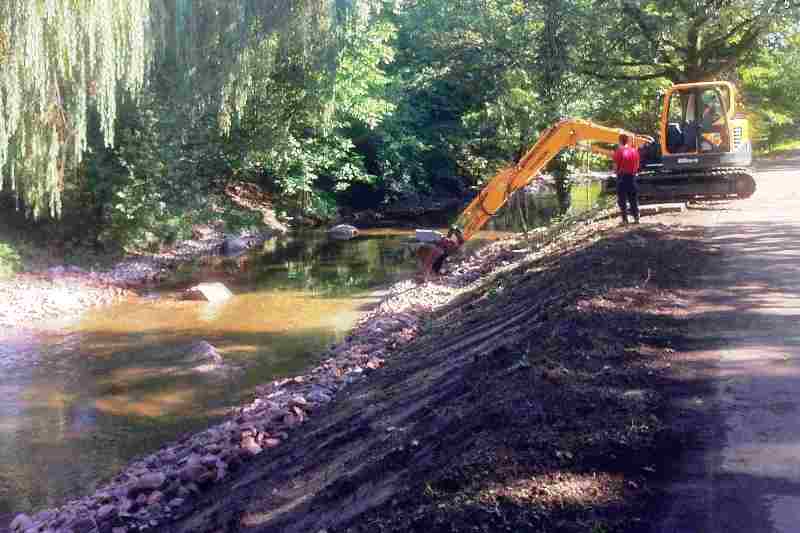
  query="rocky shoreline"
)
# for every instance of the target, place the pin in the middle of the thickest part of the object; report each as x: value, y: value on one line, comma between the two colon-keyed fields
x: 34, y: 298
x: 167, y: 484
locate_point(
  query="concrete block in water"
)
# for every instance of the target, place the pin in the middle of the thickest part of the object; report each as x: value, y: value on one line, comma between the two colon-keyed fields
x: 210, y: 292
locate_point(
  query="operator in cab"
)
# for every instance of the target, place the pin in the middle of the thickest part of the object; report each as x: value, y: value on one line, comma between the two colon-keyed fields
x: 626, y: 162
x: 712, y: 133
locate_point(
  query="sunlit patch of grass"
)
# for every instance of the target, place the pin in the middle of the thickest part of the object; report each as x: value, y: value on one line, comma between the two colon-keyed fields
x: 792, y: 144
x: 561, y: 489
x: 585, y: 196
x: 779, y: 148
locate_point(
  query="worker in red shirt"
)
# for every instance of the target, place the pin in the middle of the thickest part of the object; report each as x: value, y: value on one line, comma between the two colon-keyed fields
x: 626, y: 161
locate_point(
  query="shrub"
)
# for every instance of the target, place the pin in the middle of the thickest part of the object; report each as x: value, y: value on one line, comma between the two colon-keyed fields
x: 10, y: 261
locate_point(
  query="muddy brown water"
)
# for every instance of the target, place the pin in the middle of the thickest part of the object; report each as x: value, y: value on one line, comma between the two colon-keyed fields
x: 77, y: 404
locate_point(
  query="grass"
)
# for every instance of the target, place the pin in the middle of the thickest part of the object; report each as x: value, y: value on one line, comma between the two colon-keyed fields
x: 785, y: 146
x: 10, y: 260
x: 779, y: 148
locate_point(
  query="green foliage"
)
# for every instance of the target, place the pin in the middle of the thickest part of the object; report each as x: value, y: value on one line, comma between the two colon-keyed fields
x: 586, y: 195
x: 677, y: 40
x: 324, y: 102
x: 360, y: 90
x: 155, y: 184
x: 770, y: 84
x: 635, y: 105
x: 58, y: 58
x: 468, y: 102
x: 293, y: 129
x: 785, y: 145
x: 10, y: 260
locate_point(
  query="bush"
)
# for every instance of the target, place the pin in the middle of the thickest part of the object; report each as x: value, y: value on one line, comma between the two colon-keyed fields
x: 10, y: 261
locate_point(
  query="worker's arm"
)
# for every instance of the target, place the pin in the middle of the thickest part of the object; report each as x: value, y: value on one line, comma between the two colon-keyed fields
x: 509, y: 180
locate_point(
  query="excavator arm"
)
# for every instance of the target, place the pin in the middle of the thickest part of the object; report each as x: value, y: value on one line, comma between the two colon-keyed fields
x: 509, y: 180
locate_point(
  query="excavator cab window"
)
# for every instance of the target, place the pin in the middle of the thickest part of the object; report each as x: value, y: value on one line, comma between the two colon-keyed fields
x: 697, y: 120
x: 682, y: 126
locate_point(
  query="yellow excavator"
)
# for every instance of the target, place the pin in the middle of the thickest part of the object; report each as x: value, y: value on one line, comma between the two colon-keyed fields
x: 702, y: 153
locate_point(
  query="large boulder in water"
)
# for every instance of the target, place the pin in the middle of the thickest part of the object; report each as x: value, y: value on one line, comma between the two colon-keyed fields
x: 204, y: 353
x: 204, y: 356
x: 209, y: 292
x: 343, y: 232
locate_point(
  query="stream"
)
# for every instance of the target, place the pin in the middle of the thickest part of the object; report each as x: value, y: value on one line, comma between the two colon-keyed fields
x: 77, y: 404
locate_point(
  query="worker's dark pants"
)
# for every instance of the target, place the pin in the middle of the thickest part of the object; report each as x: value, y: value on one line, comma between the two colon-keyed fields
x: 628, y: 193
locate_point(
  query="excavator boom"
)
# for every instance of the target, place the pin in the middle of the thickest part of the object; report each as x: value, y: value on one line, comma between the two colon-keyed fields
x: 509, y: 180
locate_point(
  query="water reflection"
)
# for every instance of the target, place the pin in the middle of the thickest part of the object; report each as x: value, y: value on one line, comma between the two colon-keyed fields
x: 75, y: 407
x: 313, y: 263
x: 525, y: 212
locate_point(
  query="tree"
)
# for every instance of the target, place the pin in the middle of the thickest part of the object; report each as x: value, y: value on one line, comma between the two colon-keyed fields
x: 60, y: 58
x: 480, y: 80
x: 294, y: 111
x: 466, y: 87
x: 771, y: 85
x: 57, y: 58
x: 681, y: 40
x: 555, y: 46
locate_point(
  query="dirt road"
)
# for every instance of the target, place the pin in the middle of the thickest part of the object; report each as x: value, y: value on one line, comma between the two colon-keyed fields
x: 743, y: 473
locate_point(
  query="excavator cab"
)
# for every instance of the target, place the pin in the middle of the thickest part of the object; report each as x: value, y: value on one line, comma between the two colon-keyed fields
x: 703, y: 149
x: 697, y: 122
x: 702, y: 128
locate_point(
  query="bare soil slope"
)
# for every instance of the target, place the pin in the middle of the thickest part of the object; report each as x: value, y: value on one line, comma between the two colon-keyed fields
x: 536, y: 402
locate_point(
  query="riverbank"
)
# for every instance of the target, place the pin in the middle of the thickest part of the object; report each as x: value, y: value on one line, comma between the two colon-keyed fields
x: 30, y: 300
x: 513, y: 362
x: 531, y: 399
x: 44, y: 292
x: 172, y: 477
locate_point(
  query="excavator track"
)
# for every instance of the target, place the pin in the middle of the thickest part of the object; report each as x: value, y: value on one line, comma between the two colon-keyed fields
x: 713, y: 184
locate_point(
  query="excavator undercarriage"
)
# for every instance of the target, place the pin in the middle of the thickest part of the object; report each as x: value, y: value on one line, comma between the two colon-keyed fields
x: 714, y: 184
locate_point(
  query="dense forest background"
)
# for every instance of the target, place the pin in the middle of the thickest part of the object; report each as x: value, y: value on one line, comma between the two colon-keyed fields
x: 129, y: 119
